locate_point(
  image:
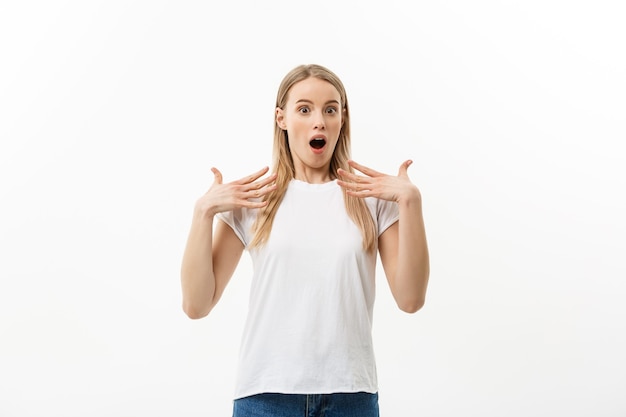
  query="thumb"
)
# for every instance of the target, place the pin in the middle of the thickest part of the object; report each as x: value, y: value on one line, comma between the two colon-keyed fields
x: 217, y: 176
x: 402, y: 172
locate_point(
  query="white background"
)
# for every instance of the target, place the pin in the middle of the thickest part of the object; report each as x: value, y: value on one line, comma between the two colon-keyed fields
x: 113, y: 112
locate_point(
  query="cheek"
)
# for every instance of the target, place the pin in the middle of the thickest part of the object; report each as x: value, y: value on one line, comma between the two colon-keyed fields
x: 296, y: 127
x: 337, y: 124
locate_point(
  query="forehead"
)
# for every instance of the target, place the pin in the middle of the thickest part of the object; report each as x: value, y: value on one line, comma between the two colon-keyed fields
x: 313, y: 89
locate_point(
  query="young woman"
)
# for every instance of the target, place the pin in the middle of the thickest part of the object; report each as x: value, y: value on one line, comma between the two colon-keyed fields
x: 312, y: 228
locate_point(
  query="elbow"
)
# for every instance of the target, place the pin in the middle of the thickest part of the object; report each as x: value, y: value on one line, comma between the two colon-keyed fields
x: 411, y: 306
x: 193, y: 312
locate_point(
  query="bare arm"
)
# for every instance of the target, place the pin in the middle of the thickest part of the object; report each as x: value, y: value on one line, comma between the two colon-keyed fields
x: 210, y: 257
x: 207, y: 267
x: 404, y: 255
x: 403, y: 247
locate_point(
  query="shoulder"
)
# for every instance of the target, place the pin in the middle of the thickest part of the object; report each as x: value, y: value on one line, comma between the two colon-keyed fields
x: 380, y: 207
x: 385, y: 213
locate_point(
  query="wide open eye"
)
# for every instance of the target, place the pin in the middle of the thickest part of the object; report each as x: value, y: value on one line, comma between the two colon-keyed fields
x: 304, y: 110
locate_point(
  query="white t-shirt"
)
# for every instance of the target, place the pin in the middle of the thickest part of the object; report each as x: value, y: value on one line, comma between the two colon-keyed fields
x: 309, y: 323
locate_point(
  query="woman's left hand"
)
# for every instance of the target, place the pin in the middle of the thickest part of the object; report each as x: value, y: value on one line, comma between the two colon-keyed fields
x: 376, y: 184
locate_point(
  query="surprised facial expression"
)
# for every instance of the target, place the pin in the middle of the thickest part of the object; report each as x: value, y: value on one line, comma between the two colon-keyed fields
x: 312, y: 117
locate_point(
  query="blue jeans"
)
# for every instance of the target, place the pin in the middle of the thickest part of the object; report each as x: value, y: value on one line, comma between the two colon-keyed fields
x: 357, y: 404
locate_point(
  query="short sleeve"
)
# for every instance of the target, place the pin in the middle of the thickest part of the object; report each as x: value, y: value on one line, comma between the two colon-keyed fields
x: 387, y: 213
x: 240, y: 220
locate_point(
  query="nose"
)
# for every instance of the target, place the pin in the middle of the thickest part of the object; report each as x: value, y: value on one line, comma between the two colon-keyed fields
x: 318, y: 121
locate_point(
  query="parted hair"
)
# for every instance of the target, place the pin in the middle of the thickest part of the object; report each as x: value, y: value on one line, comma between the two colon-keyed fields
x: 283, y: 164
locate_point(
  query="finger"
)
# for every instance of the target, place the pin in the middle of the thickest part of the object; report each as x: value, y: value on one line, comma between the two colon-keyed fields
x: 347, y: 175
x: 251, y: 204
x: 255, y: 193
x: 217, y: 175
x: 258, y: 192
x: 253, y: 177
x: 402, y: 172
x: 351, y: 176
x: 354, y: 186
x: 347, y: 185
x: 364, y: 169
x: 264, y: 182
x: 360, y: 194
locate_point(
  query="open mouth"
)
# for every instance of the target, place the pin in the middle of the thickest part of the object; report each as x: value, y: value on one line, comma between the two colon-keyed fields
x: 317, y: 143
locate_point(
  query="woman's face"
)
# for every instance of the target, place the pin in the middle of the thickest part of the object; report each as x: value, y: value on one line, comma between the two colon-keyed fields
x: 313, y: 118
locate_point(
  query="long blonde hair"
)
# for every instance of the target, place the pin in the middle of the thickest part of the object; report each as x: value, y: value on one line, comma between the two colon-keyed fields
x: 284, y: 168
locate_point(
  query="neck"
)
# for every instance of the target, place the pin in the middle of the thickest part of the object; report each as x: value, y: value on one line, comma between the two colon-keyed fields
x: 313, y: 176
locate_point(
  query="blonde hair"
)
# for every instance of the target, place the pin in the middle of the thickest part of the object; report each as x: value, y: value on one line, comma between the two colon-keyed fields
x: 284, y: 168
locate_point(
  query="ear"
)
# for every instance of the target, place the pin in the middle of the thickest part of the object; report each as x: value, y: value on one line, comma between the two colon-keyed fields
x: 280, y: 118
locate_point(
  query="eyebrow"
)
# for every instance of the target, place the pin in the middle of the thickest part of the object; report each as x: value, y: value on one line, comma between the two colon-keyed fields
x: 304, y: 100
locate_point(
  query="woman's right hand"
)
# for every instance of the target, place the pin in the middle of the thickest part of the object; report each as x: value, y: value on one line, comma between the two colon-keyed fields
x: 245, y: 192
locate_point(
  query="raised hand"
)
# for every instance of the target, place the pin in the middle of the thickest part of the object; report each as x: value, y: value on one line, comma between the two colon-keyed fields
x: 245, y: 192
x: 376, y: 184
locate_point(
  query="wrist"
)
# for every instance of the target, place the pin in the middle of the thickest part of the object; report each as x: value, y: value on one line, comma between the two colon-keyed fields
x: 202, y: 212
x: 412, y: 197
